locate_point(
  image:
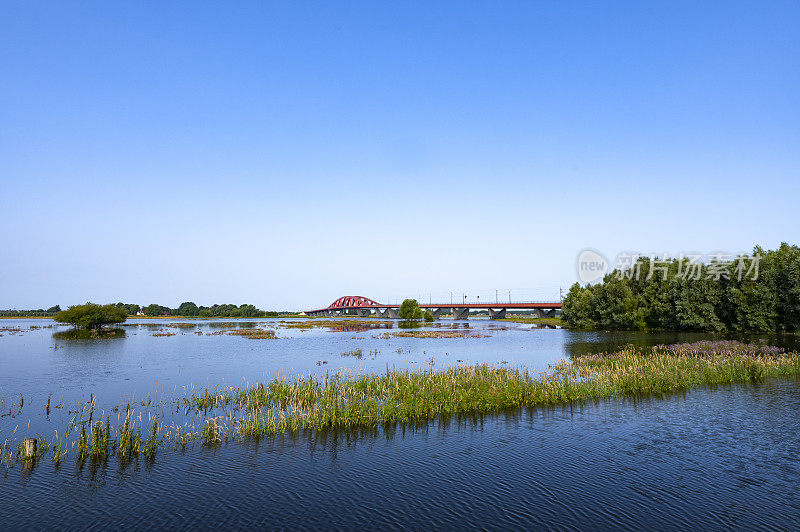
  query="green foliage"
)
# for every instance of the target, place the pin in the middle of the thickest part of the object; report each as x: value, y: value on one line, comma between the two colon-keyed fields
x: 731, y: 302
x: 188, y: 309
x: 130, y: 308
x: 428, y: 316
x: 91, y: 316
x: 37, y: 313
x: 222, y: 311
x: 151, y: 444
x: 409, y: 310
x: 156, y: 310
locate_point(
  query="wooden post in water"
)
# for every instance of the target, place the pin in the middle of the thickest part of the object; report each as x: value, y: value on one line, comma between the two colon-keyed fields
x: 30, y: 448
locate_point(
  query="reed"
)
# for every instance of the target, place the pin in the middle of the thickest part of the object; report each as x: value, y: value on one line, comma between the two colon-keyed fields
x: 151, y: 445
x: 83, y: 444
x: 129, y: 442
x: 346, y: 400
x: 211, y: 433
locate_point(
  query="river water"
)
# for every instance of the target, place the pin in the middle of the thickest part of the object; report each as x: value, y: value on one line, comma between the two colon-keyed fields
x: 714, y: 458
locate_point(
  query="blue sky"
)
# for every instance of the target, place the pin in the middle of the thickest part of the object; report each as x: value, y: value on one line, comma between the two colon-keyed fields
x: 287, y: 154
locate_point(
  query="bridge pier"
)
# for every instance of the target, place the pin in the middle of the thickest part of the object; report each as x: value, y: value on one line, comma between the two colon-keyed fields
x: 438, y: 312
x: 393, y: 313
x: 497, y: 314
x: 460, y: 313
x: 364, y: 312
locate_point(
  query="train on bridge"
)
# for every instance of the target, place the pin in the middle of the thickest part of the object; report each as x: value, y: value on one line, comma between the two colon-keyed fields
x: 364, y: 307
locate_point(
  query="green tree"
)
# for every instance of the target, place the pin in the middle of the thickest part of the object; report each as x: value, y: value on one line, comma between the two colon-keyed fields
x: 780, y: 271
x: 577, y: 309
x: 188, y: 309
x: 156, y: 310
x: 248, y: 311
x: 91, y: 316
x: 676, y: 295
x: 428, y: 316
x: 409, y: 310
x: 130, y: 308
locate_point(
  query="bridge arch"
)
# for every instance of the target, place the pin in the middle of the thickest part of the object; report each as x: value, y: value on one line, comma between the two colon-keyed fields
x: 353, y: 301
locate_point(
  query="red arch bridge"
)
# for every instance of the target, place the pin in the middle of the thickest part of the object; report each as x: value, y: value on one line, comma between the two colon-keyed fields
x: 365, y: 308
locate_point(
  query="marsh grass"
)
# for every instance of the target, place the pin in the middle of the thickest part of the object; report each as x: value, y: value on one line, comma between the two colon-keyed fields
x: 151, y: 445
x: 348, y: 401
x: 340, y: 325
x: 431, y: 334
x: 255, y: 334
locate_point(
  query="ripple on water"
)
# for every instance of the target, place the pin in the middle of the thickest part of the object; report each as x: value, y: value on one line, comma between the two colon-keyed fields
x: 711, y: 459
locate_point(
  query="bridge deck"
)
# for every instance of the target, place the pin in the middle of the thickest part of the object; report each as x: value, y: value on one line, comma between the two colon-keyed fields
x: 482, y: 306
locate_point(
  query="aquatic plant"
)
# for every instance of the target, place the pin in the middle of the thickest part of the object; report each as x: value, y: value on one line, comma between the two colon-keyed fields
x: 255, y: 334
x: 211, y: 432
x: 340, y: 325
x: 556, y: 322
x: 431, y: 334
x: 128, y: 442
x: 83, y: 443
x: 348, y: 400
x: 151, y: 445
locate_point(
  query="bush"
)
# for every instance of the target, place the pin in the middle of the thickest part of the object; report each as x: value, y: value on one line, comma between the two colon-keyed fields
x: 91, y: 316
x: 409, y: 310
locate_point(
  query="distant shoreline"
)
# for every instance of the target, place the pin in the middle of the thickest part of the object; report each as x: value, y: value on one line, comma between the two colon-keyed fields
x: 167, y: 317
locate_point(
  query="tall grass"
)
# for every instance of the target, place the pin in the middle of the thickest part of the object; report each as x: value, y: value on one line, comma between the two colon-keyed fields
x: 346, y: 400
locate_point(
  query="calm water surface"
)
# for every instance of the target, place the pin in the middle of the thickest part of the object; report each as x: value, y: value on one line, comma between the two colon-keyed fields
x: 718, y: 459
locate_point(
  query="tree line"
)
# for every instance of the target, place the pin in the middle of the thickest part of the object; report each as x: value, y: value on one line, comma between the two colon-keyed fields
x: 758, y: 293
x: 186, y: 309
x: 38, y: 313
x: 191, y: 310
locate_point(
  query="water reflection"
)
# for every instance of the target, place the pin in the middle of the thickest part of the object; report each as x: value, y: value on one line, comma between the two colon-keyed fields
x: 90, y: 334
x: 590, y: 342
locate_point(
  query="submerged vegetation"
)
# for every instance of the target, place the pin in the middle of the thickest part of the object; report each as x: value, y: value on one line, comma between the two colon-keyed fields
x: 433, y: 334
x: 255, y: 334
x: 90, y: 334
x: 346, y: 325
x: 344, y: 400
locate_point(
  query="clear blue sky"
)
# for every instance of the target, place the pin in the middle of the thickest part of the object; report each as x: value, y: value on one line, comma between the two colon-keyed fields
x: 286, y: 154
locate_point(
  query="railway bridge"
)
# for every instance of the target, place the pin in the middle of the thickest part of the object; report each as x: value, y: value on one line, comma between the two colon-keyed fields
x: 364, y: 307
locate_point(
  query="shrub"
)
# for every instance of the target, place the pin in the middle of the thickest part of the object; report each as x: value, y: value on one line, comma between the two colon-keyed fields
x: 91, y: 316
